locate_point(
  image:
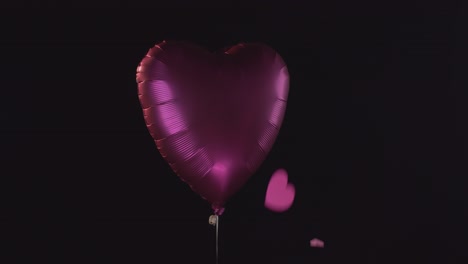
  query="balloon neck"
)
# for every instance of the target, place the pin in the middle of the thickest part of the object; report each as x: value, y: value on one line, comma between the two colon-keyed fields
x: 218, y: 210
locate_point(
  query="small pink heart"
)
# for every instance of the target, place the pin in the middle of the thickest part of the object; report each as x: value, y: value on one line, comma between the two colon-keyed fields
x: 279, y: 195
x: 317, y: 243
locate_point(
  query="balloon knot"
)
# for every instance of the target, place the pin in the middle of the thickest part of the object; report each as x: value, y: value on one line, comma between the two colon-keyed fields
x: 218, y: 210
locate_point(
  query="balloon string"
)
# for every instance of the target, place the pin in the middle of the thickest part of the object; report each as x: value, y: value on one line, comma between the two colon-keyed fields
x: 217, y: 225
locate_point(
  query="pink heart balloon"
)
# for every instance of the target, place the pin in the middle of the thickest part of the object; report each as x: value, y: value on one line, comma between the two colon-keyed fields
x: 214, y: 116
x: 279, y: 195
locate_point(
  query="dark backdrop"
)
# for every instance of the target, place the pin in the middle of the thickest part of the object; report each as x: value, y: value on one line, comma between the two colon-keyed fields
x: 374, y: 139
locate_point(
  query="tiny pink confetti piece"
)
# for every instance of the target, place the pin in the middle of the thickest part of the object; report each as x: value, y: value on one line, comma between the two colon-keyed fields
x: 280, y: 194
x: 317, y: 243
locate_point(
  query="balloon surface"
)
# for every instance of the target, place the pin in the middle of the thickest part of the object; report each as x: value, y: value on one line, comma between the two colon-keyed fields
x: 214, y: 116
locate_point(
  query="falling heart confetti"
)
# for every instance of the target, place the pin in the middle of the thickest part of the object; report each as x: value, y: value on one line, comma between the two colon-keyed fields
x: 317, y: 243
x: 280, y: 194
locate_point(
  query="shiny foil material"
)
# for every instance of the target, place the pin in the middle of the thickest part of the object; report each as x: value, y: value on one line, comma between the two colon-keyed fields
x: 214, y: 116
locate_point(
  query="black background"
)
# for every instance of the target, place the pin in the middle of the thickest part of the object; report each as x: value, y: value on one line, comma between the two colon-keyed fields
x: 374, y: 138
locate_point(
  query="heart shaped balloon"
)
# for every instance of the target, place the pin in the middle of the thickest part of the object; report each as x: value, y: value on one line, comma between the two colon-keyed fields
x: 214, y: 116
x: 280, y: 194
